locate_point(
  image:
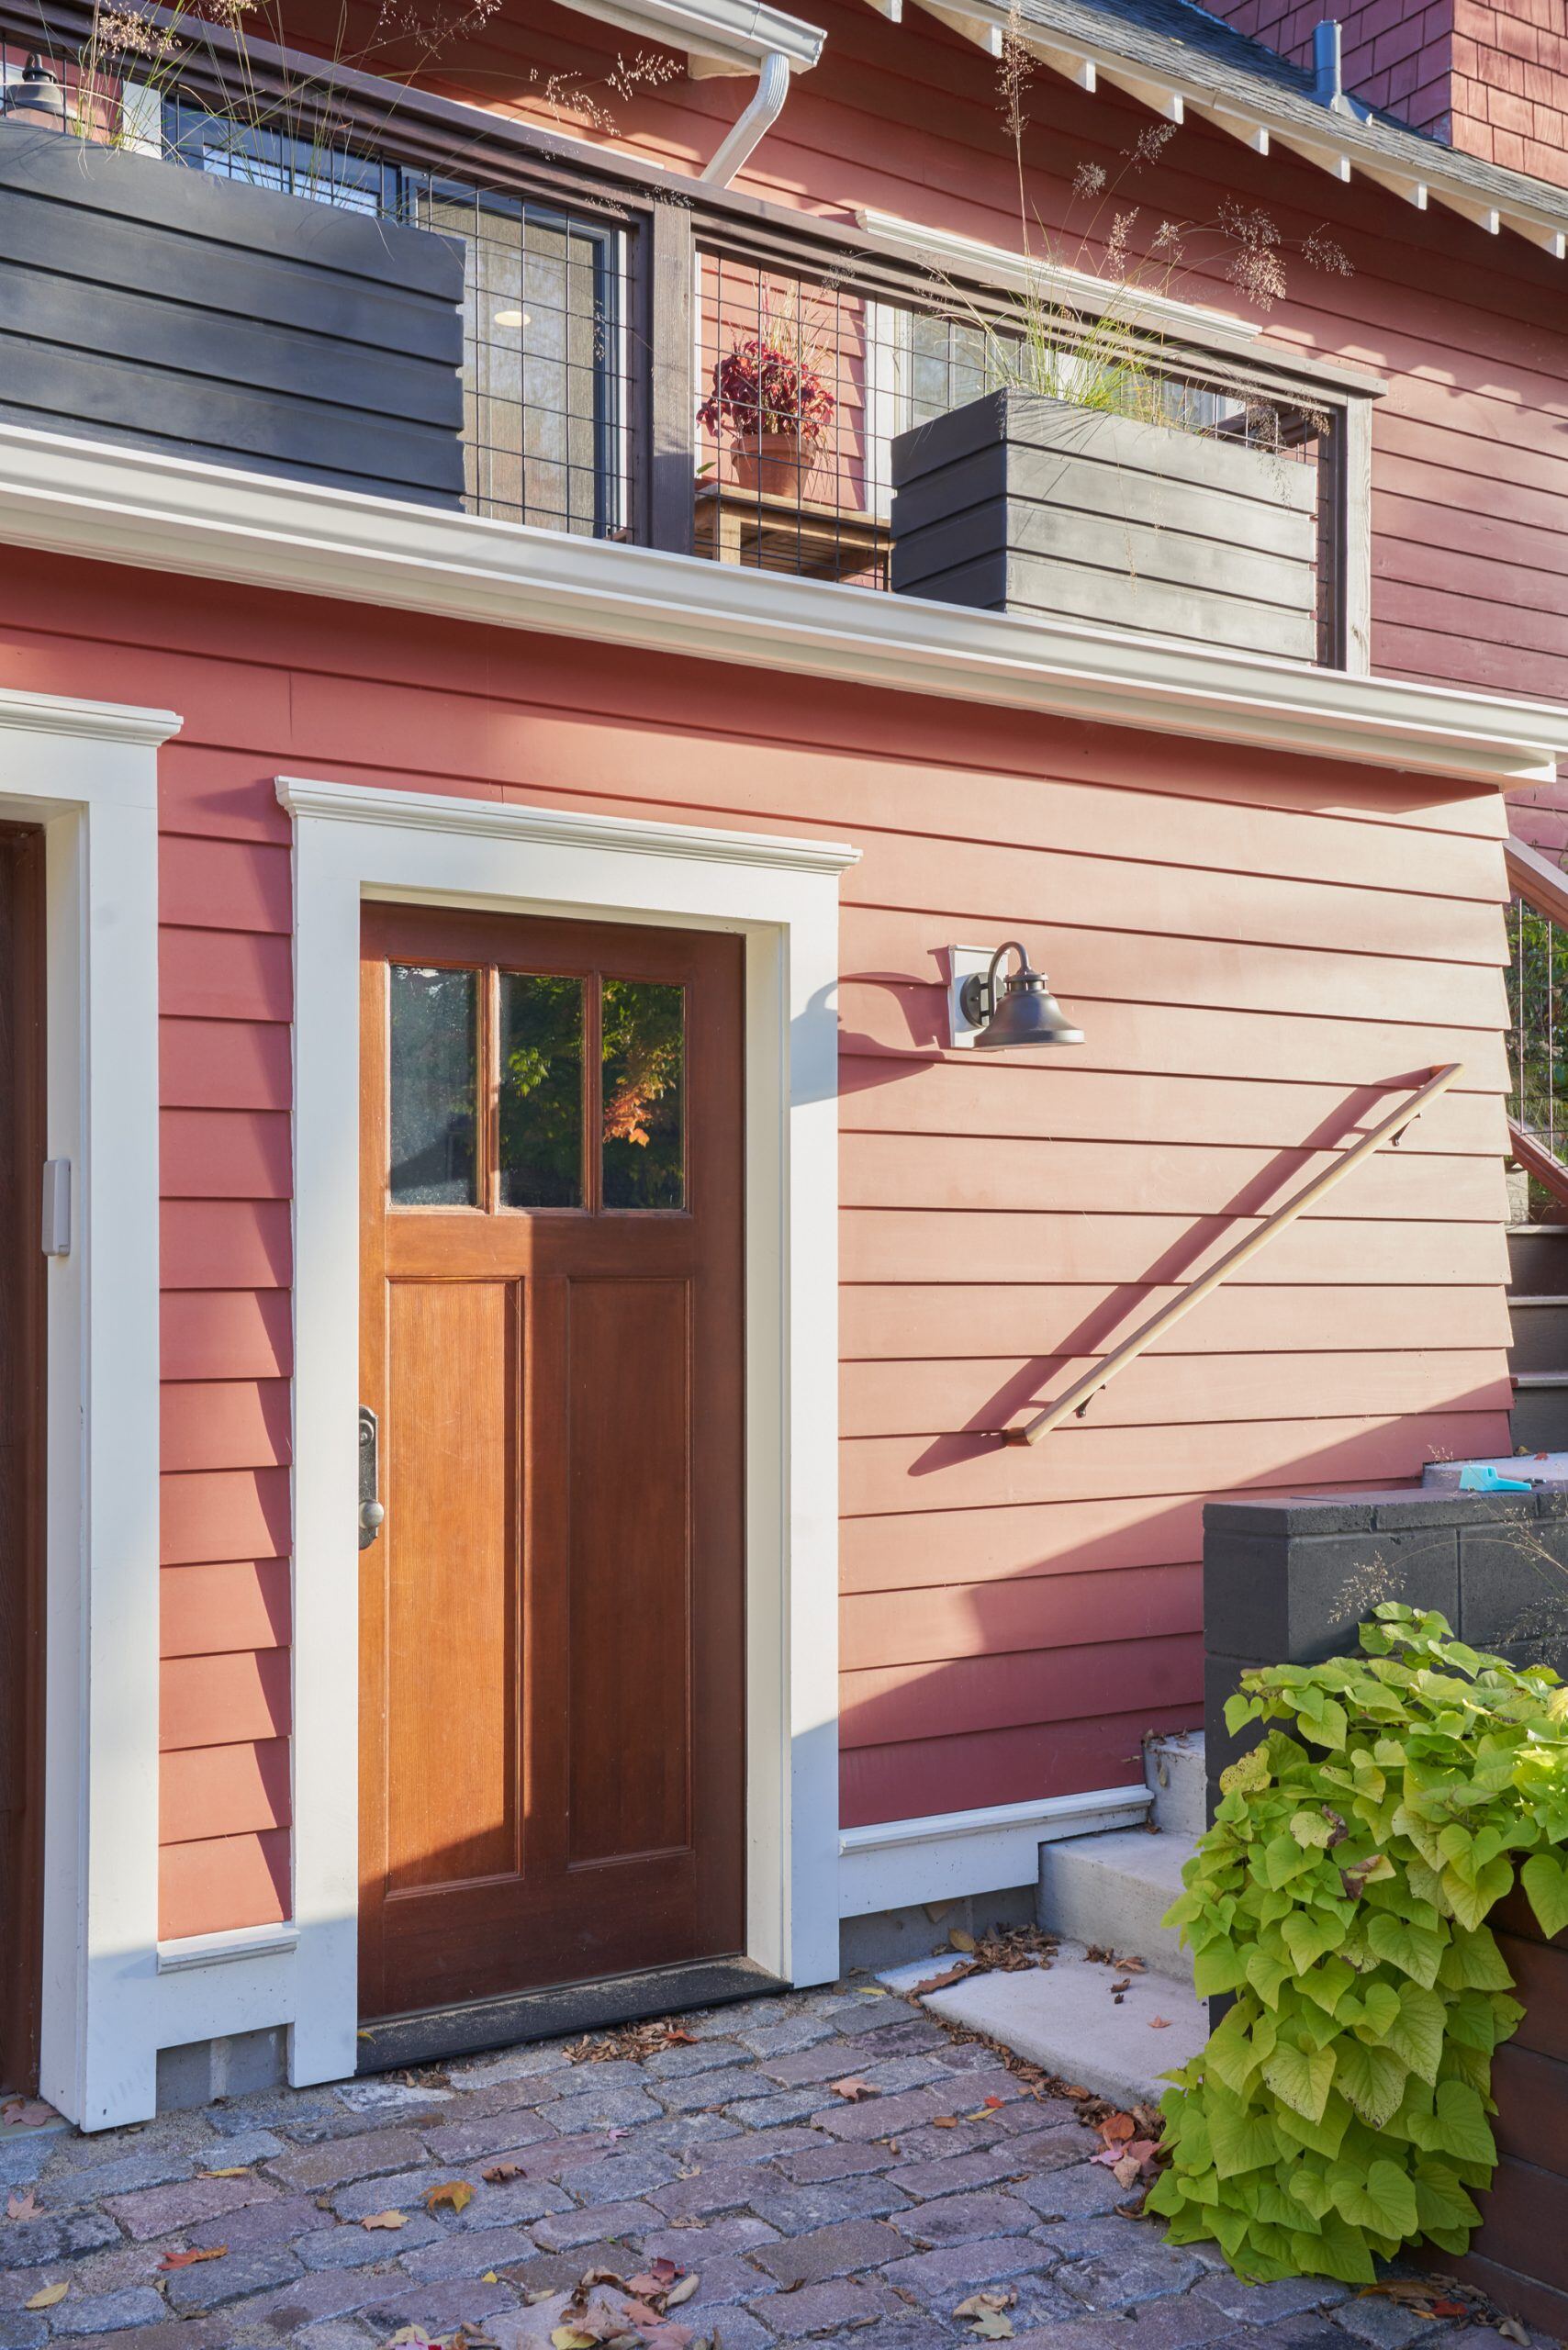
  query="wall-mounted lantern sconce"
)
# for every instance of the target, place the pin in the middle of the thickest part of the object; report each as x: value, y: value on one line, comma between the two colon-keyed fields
x: 39, y: 97
x: 1021, y: 1012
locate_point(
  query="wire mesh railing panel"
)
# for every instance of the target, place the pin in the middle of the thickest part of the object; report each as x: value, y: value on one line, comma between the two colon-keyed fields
x: 1537, y: 1062
x: 547, y: 393
x: 804, y: 383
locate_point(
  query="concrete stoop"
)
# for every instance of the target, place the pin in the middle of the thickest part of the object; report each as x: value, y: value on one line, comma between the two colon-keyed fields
x: 1107, y: 1893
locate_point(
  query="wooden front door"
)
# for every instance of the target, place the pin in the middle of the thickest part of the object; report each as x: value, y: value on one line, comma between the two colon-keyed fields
x: 552, y: 1642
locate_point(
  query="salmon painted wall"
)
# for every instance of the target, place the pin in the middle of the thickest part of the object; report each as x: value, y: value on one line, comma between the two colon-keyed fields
x: 1253, y: 945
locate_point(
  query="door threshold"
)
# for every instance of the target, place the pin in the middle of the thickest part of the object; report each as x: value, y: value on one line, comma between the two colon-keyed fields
x: 565, y: 2009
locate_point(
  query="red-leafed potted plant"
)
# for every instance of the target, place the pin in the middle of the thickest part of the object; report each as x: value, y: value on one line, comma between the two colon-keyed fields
x: 770, y: 394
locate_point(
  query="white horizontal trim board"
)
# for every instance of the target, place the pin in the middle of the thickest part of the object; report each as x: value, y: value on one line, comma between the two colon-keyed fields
x: 111, y: 505
x: 950, y: 1854
x: 222, y: 1949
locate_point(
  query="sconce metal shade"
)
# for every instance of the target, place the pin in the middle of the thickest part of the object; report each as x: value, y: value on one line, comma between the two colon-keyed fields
x: 1026, y: 1014
x: 38, y: 93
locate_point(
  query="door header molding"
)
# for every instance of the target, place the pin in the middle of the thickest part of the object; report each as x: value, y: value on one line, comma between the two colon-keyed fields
x: 351, y: 803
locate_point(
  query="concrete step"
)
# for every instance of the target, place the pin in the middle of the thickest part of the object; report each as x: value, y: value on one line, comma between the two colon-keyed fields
x: 1068, y: 2016
x: 1541, y: 1332
x: 1174, y: 1768
x: 1113, y: 1890
x: 1538, y: 1259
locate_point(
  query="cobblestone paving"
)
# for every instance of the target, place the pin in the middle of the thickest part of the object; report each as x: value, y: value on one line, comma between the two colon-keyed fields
x: 805, y: 2216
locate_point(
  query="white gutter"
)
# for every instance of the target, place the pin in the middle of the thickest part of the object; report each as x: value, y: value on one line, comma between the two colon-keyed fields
x: 747, y: 133
x: 106, y: 503
x: 716, y: 36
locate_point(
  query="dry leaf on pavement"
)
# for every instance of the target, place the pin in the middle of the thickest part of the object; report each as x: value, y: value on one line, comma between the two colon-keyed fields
x: 1160, y: 2023
x: 22, y: 2207
x: 854, y: 2091
x: 498, y: 2173
x: 385, y: 2219
x: 47, y: 2299
x: 190, y: 2259
x: 451, y: 2195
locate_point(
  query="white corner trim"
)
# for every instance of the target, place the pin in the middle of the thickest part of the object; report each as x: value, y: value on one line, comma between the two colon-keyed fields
x: 223, y: 1949
x: 1025, y: 275
x: 86, y: 771
x: 782, y: 897
x: 348, y: 803
x: 950, y: 1854
x: 166, y: 513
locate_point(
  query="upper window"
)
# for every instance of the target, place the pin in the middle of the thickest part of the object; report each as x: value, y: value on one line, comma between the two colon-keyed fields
x: 545, y: 388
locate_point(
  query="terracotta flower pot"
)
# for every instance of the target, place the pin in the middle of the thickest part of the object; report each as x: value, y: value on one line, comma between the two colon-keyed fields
x: 776, y: 464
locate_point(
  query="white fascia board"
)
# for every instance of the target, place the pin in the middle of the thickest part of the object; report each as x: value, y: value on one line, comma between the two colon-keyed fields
x: 950, y: 1854
x: 113, y: 505
x: 717, y: 36
x: 1075, y: 289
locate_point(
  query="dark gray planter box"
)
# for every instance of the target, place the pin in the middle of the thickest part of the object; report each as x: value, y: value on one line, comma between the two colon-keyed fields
x: 146, y: 303
x: 1290, y: 1581
x: 1022, y: 504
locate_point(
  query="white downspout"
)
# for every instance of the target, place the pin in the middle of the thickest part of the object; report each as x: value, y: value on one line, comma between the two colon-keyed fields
x: 766, y: 106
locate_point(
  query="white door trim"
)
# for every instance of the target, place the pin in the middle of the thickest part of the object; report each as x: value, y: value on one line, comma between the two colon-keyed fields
x: 87, y: 772
x: 781, y: 896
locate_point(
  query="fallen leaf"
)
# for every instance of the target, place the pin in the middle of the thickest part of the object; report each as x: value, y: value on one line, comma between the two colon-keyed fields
x: 852, y: 2090
x: 571, y: 2337
x: 385, y: 2219
x: 22, y: 2207
x: 1118, y: 2127
x: 28, y: 2113
x: 489, y: 2278
x: 404, y: 2332
x: 454, y: 2194
x: 983, y: 2304
x: 681, y: 2291
x: 48, y: 2297
x: 871, y: 1991
x: 1512, y: 2330
x: 1450, y: 2308
x: 1160, y: 2023
x: 994, y: 2102
x: 944, y: 2122
x: 1076, y: 2089
x: 961, y: 1941
x: 190, y: 2259
x: 498, y: 2173
x: 958, y: 1974
x: 1127, y: 2171
x: 656, y: 2277
x: 992, y: 2327
x: 235, y: 2170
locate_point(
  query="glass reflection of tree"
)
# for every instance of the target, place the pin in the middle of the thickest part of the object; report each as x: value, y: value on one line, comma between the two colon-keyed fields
x: 433, y: 1136
x: 643, y: 1054
x: 540, y: 1091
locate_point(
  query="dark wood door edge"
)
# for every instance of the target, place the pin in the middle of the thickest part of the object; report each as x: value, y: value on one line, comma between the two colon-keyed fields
x: 568, y: 2008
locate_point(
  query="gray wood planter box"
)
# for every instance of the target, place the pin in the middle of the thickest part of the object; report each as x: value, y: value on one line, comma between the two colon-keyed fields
x: 147, y: 303
x: 1019, y: 503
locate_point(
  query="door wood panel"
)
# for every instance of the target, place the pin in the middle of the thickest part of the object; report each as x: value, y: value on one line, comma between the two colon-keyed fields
x: 552, y: 1617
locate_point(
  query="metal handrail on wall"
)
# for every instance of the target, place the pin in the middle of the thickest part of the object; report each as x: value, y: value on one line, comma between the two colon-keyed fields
x: 1082, y: 1393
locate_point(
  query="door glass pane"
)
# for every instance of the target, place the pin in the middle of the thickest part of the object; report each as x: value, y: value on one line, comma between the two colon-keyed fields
x: 645, y: 1055
x: 540, y: 1091
x: 434, y: 1086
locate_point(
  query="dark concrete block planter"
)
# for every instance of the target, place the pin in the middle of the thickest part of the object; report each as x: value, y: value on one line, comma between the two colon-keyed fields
x: 1023, y: 504
x: 146, y: 303
x: 1288, y: 1582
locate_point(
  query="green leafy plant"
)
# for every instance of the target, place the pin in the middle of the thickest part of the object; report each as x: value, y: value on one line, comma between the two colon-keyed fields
x: 1341, y: 2108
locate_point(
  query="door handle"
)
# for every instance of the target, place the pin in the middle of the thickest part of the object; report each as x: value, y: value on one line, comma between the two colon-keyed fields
x: 371, y: 1513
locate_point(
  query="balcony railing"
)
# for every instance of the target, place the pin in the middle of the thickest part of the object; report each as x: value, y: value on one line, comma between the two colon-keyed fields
x: 605, y: 316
